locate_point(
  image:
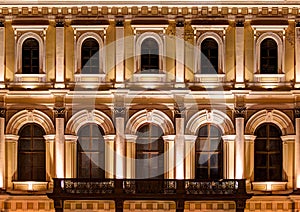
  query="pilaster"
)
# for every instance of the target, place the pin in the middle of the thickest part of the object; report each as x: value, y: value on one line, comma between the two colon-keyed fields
x: 60, y: 56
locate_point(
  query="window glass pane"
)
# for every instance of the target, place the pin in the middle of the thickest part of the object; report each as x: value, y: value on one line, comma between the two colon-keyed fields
x: 31, y: 153
x: 149, y: 56
x: 209, y: 56
x: 208, y: 152
x: 149, y: 152
x: 30, y: 56
x: 269, y: 57
x: 268, y: 153
x: 90, y: 56
x: 90, y: 151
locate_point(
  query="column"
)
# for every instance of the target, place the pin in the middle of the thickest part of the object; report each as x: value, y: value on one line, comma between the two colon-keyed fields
x: 2, y: 55
x: 297, y: 55
x: 120, y: 145
x: 109, y: 155
x: 239, y: 148
x: 59, y: 143
x: 288, y: 142
x: 119, y: 53
x: 190, y: 156
x: 11, y: 158
x: 297, y: 148
x: 130, y: 156
x: 179, y: 148
x: 120, y: 148
x: 179, y: 63
x: 70, y: 155
x: 2, y: 148
x: 169, y: 156
x: 249, y: 160
x: 50, y: 165
x: 239, y: 55
x: 228, y: 156
x: 59, y: 47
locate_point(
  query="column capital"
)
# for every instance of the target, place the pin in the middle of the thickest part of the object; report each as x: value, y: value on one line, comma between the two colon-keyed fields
x: 11, y: 138
x: 2, y: 112
x: 228, y: 138
x: 71, y: 138
x: 130, y: 138
x: 119, y: 111
x: 240, y: 112
x: 297, y: 112
x: 288, y: 138
x: 109, y: 138
x: 169, y: 138
x: 49, y: 138
x: 59, y: 112
x: 249, y: 138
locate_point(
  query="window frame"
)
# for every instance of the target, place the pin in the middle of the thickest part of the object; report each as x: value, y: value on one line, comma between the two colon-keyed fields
x: 158, y: 152
x: 267, y: 138
x: 19, y: 46
x: 99, y: 151
x: 31, y: 152
x: 220, y: 150
x: 138, y: 47
x: 280, y: 51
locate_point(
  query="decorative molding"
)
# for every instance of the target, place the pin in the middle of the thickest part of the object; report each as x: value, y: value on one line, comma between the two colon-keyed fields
x: 216, y: 117
x: 83, y: 117
x: 119, y: 111
x: 240, y: 112
x: 2, y: 112
x: 59, y: 112
x: 275, y: 116
x: 153, y: 116
x: 29, y: 116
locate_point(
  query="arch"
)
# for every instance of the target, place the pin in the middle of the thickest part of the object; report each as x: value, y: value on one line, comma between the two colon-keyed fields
x: 20, y: 42
x: 153, y: 116
x: 29, y: 116
x: 138, y: 47
x: 84, y: 116
x: 280, y: 50
x: 215, y: 117
x: 219, y: 40
x: 79, y: 43
x: 275, y: 116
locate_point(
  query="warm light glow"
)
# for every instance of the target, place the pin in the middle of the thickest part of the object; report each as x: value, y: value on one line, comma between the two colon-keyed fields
x: 298, y: 181
x: 30, y: 186
x: 1, y: 180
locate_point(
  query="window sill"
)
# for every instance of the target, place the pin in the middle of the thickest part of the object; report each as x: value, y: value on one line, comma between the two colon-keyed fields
x: 269, y: 77
x: 269, y: 186
x: 148, y: 77
x: 29, y: 78
x: 209, y: 77
x: 30, y: 186
x: 81, y: 78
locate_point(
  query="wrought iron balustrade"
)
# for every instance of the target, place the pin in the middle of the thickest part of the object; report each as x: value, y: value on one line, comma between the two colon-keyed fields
x: 120, y: 190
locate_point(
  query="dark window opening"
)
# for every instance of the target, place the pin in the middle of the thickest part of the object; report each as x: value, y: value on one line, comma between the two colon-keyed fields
x: 31, y: 153
x: 90, y: 152
x: 268, y: 153
x: 209, y: 153
x: 90, y: 57
x: 209, y: 56
x: 268, y: 57
x: 30, y: 56
x: 149, y: 152
x: 150, y: 56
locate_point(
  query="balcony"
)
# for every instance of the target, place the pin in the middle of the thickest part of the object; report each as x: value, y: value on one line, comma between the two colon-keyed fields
x: 120, y: 190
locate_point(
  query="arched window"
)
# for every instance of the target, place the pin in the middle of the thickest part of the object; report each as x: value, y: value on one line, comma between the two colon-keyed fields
x: 31, y: 153
x: 149, y: 56
x: 149, y: 152
x: 90, y: 152
x: 30, y: 56
x: 90, y: 57
x: 268, y: 153
x: 268, y: 56
x: 209, y: 153
x: 209, y: 56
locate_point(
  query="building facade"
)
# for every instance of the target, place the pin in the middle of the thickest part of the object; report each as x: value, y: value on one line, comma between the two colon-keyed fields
x: 150, y: 89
